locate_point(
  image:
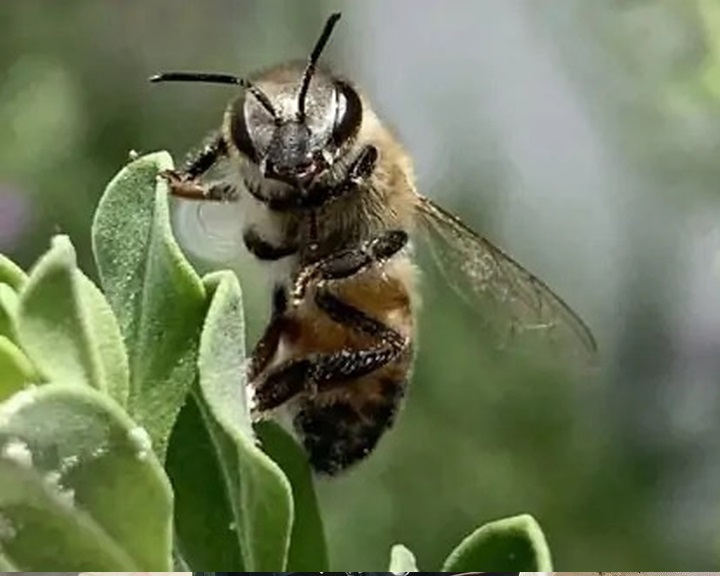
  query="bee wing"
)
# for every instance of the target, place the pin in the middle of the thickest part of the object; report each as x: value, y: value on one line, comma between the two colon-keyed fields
x: 519, y: 303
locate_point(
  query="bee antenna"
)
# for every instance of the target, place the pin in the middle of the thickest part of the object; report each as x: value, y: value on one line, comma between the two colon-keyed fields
x: 314, y: 56
x: 211, y: 78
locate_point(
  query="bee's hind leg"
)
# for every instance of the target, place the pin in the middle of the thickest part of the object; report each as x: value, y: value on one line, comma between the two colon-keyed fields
x: 321, y: 372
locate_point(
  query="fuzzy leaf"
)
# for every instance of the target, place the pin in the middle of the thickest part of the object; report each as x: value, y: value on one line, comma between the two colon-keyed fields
x: 204, y: 523
x: 106, y: 339
x: 16, y: 370
x: 53, y: 324
x: 41, y: 532
x: 259, y: 492
x: 510, y: 544
x: 9, y: 303
x: 179, y: 563
x: 158, y: 299
x: 80, y: 488
x: 11, y: 274
x: 80, y: 485
x: 5, y: 564
x: 308, y: 547
x: 402, y: 560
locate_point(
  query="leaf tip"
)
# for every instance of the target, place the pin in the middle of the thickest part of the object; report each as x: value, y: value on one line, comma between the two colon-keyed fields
x: 64, y: 247
x: 160, y: 160
x: 517, y: 540
x: 152, y: 162
x: 402, y: 559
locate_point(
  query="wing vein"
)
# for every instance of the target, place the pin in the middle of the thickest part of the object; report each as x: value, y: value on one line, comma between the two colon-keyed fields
x: 497, y: 285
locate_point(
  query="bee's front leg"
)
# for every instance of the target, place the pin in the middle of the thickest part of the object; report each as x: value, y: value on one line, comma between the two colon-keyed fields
x: 183, y: 183
x: 200, y: 162
x: 359, y: 171
x: 192, y: 190
x: 363, y: 166
x: 349, y: 262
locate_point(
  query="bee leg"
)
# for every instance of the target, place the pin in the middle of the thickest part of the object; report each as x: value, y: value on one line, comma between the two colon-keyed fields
x: 197, y: 164
x: 292, y: 377
x: 268, y: 343
x: 193, y: 190
x: 359, y: 171
x: 363, y: 166
x: 320, y: 372
x: 183, y: 182
x: 346, y: 263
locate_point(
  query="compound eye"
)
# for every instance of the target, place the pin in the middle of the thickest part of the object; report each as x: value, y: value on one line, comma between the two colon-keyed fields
x: 349, y: 113
x: 239, y: 131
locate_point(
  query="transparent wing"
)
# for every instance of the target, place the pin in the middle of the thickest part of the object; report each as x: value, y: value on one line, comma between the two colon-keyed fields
x: 514, y: 302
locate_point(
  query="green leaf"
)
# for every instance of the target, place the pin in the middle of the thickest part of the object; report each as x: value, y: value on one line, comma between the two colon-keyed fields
x: 53, y: 324
x: 204, y: 521
x: 42, y: 532
x: 11, y: 274
x: 402, y: 560
x: 80, y: 487
x: 511, y: 544
x: 5, y: 564
x: 259, y: 492
x: 107, y: 339
x: 308, y: 548
x: 179, y: 563
x: 67, y: 328
x: 158, y: 299
x: 16, y: 370
x: 9, y: 303
x: 221, y: 363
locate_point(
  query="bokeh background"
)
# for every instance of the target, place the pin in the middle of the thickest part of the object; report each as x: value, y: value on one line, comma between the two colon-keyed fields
x: 583, y: 136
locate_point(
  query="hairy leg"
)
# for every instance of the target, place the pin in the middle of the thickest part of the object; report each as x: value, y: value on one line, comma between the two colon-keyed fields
x: 183, y: 182
x: 359, y: 171
x: 320, y: 372
x: 349, y: 262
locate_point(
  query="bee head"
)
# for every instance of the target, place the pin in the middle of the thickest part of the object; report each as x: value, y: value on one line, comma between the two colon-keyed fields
x: 294, y: 120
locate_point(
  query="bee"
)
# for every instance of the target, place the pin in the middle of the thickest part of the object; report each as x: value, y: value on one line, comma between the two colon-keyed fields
x: 327, y: 190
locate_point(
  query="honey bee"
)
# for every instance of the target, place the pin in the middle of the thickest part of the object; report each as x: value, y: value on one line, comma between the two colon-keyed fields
x: 328, y: 190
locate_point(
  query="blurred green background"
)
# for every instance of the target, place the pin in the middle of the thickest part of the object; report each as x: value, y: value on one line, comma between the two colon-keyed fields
x: 581, y: 135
